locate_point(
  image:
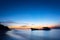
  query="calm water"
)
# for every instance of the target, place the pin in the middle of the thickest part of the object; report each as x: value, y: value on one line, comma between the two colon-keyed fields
x: 31, y: 35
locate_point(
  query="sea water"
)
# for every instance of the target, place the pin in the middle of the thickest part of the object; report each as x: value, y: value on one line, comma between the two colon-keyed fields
x: 53, y: 34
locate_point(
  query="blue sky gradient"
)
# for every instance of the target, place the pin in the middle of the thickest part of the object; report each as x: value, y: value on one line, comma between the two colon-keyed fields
x: 30, y: 11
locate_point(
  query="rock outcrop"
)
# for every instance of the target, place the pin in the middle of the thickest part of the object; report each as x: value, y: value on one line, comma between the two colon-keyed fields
x: 3, y: 29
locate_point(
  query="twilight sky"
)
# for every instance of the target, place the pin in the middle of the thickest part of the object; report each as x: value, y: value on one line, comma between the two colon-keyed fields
x: 43, y: 12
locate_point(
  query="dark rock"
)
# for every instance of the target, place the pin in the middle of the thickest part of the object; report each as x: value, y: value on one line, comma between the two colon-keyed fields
x: 34, y: 29
x: 46, y: 28
x: 3, y: 29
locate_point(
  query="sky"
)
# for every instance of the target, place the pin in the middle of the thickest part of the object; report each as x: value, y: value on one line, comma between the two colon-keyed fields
x: 38, y: 12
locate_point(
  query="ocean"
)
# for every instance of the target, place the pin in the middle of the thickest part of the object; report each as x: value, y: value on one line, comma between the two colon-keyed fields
x: 53, y: 34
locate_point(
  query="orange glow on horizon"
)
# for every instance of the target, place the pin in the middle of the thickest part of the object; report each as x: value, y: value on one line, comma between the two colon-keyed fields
x: 31, y: 26
x: 25, y: 27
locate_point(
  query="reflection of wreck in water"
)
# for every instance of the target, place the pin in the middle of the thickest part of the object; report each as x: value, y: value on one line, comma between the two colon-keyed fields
x: 44, y: 28
x: 3, y: 29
